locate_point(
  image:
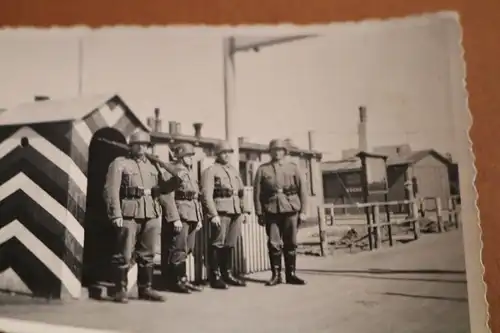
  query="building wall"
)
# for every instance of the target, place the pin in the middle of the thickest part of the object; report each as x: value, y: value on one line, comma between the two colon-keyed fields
x: 396, y: 178
x: 432, y: 178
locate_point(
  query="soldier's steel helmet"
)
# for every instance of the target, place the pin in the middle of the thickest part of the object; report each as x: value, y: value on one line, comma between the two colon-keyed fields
x: 223, y: 147
x: 139, y: 137
x: 278, y: 144
x: 184, y: 149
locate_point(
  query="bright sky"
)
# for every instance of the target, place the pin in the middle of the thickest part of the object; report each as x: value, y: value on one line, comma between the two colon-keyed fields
x: 400, y: 71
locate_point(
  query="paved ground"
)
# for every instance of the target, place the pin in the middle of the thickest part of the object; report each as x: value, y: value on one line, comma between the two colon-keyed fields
x: 419, y: 287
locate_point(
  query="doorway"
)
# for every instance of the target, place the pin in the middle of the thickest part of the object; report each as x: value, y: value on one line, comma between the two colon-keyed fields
x: 98, y: 230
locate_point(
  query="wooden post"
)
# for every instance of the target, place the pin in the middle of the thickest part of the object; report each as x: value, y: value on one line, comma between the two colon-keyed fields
x: 421, y: 205
x: 450, y: 212
x: 414, y: 215
x: 455, y: 212
x: 364, y: 185
x: 388, y: 216
x: 439, y: 214
x: 376, y: 226
x: 323, y: 240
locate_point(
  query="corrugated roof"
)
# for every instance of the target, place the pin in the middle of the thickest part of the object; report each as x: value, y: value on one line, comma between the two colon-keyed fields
x: 53, y: 110
x: 256, y: 147
x: 355, y: 163
x: 341, y: 165
x: 414, y: 157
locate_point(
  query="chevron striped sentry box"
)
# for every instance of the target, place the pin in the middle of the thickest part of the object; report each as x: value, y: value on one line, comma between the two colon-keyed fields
x: 44, y: 167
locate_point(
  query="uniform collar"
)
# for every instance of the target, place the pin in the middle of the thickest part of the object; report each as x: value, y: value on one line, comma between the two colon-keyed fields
x: 278, y: 162
x: 182, y: 166
x: 224, y: 165
x: 142, y: 159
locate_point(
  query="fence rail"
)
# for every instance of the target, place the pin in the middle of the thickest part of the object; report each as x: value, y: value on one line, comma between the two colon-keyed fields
x: 374, y: 223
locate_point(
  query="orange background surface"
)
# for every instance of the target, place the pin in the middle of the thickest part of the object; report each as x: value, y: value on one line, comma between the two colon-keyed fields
x: 480, y: 21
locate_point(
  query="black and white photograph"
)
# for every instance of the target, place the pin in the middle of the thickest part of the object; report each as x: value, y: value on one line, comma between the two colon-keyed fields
x: 238, y: 179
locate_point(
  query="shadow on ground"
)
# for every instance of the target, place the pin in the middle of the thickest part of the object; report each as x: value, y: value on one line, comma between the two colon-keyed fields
x: 442, y: 298
x: 378, y: 274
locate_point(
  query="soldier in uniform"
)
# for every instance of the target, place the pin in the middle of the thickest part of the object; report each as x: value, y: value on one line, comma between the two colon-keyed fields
x: 280, y: 201
x: 183, y: 218
x: 222, y: 189
x: 131, y: 194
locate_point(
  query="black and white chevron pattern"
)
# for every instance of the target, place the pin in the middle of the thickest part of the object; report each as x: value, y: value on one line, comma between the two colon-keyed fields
x: 43, y: 192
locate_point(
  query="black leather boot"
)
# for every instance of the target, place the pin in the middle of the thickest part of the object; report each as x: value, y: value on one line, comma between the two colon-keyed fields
x: 187, y: 283
x: 291, y: 278
x: 121, y: 284
x: 179, y: 283
x: 227, y: 268
x: 144, y: 282
x: 216, y: 281
x: 276, y: 278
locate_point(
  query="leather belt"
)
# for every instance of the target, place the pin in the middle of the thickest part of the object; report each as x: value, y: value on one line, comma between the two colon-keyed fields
x: 139, y: 192
x: 187, y: 196
x: 228, y: 193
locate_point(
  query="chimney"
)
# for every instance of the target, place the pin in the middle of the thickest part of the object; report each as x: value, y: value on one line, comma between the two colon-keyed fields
x: 177, y: 128
x: 242, y: 139
x: 172, y: 127
x: 41, y: 98
x: 311, y: 140
x: 197, y: 129
x: 362, y: 130
x: 157, y: 121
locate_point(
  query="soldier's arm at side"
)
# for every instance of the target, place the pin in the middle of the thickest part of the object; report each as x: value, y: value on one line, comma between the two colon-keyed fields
x: 169, y: 207
x: 167, y: 200
x: 112, y: 189
x: 256, y: 191
x: 207, y: 190
x: 243, y: 202
x: 303, y: 193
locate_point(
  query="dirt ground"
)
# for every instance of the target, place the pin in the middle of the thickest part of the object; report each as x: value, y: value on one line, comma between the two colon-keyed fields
x: 418, y: 287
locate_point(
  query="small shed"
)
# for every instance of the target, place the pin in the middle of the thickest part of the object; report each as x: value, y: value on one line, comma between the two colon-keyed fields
x: 427, y: 168
x: 52, y: 171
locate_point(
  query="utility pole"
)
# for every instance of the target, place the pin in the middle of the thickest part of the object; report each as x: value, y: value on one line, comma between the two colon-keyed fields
x: 230, y: 47
x: 230, y: 100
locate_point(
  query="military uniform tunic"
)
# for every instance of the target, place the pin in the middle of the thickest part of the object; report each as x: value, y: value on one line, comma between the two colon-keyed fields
x: 181, y: 205
x: 280, y: 194
x: 223, y: 190
x: 130, y: 192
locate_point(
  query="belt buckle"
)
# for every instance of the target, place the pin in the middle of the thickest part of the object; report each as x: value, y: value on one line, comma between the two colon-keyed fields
x: 280, y: 190
x: 146, y: 191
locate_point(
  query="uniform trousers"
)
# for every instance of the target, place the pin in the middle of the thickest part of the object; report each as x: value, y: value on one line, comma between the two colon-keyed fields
x: 136, y: 240
x: 180, y: 244
x: 281, y: 230
x: 226, y: 235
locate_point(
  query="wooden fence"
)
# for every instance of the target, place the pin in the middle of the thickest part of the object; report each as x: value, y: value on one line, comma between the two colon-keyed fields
x: 375, y: 223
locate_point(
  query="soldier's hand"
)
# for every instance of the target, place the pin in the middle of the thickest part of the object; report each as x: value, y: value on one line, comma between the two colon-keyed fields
x: 199, y: 225
x: 177, y: 226
x: 302, y: 217
x: 216, y: 221
x: 261, y: 220
x: 117, y: 222
x: 246, y: 218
